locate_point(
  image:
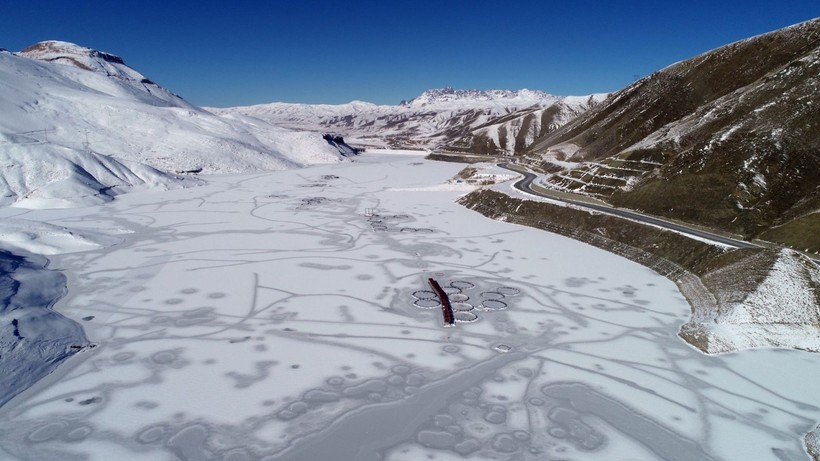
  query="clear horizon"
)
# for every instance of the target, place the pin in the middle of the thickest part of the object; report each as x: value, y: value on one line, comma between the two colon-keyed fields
x: 320, y: 52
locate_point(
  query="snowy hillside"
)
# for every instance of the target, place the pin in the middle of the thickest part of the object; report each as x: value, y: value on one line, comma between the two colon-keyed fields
x: 769, y: 299
x: 515, y: 132
x: 78, y: 123
x: 439, y: 118
x: 40, y: 174
x: 123, y: 80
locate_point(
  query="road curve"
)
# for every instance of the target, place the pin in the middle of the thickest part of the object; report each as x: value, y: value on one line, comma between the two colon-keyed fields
x: 525, y: 185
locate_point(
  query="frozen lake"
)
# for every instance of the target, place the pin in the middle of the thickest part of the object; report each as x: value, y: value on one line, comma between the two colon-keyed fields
x: 287, y: 316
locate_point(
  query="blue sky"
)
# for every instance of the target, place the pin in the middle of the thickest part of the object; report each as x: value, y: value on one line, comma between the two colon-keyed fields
x: 219, y: 53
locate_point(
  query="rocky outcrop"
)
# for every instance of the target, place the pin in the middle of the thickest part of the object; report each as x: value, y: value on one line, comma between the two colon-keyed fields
x: 812, y: 441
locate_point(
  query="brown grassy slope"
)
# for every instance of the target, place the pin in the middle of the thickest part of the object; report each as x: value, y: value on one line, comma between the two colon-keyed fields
x: 630, y: 115
x: 754, y: 160
x: 802, y: 233
x: 737, y: 131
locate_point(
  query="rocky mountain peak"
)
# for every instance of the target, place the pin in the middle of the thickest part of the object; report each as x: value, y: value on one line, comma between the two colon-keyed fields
x: 68, y: 53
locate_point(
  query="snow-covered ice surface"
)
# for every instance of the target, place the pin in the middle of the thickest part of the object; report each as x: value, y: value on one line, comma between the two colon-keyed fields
x: 287, y: 316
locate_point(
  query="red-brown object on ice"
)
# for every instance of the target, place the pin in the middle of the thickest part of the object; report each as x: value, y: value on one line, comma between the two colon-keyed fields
x: 446, y: 309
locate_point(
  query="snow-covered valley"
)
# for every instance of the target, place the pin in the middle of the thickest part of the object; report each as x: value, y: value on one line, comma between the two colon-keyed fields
x: 286, y: 315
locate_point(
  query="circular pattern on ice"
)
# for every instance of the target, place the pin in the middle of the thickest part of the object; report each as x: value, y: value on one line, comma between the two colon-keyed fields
x: 463, y: 307
x: 462, y: 284
x: 459, y: 292
x: 492, y: 295
x: 508, y: 291
x: 493, y: 305
x: 451, y: 290
x: 459, y: 298
x: 47, y: 431
x: 465, y: 317
x: 164, y: 357
x: 427, y: 303
x: 151, y: 435
x: 424, y: 294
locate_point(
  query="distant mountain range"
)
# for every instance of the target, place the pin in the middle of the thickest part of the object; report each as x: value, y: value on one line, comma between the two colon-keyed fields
x: 496, y: 122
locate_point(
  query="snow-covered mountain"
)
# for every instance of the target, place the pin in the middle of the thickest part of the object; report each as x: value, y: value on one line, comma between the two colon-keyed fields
x: 499, y: 121
x: 515, y: 132
x: 123, y: 80
x: 78, y: 124
x: 458, y: 98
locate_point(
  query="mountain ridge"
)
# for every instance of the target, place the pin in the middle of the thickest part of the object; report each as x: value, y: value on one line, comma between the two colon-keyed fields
x: 449, y: 94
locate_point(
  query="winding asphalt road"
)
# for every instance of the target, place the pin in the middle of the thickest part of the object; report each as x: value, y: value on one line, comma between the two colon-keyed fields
x: 525, y: 185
